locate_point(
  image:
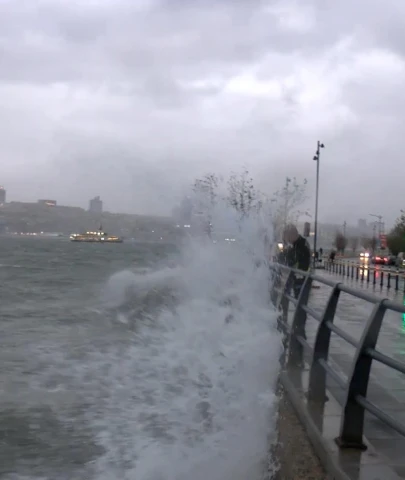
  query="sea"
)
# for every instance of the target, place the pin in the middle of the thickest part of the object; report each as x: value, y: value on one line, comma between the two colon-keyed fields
x: 135, y: 361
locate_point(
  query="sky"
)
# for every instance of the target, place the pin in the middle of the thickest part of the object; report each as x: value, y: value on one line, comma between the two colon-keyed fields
x: 133, y: 99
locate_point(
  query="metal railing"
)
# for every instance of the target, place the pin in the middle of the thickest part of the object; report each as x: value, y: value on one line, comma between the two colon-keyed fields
x: 382, y: 277
x: 355, y: 402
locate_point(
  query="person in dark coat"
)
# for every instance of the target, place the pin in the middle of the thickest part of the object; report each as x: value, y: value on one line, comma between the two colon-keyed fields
x: 296, y: 255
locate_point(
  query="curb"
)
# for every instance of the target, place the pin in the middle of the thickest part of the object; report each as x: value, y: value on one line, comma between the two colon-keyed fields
x: 293, y: 455
x: 330, y: 456
x: 314, y: 434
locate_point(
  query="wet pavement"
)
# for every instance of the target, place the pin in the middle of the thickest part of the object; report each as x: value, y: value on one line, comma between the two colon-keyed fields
x: 386, y: 388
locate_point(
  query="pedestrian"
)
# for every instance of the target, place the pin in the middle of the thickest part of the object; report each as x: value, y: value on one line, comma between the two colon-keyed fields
x: 332, y: 256
x: 297, y: 255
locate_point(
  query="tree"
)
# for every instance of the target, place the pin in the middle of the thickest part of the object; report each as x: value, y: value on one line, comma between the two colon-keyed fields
x: 284, y: 204
x: 354, y: 243
x: 205, y: 189
x: 340, y: 242
x: 369, y: 243
x: 396, y: 244
x: 242, y: 195
x: 396, y: 237
x: 206, y: 195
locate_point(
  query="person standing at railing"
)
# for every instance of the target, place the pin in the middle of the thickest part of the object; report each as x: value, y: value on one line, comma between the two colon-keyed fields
x: 296, y: 255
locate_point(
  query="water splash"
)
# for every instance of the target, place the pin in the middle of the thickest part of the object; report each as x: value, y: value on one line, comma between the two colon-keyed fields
x: 194, y: 396
x: 168, y: 375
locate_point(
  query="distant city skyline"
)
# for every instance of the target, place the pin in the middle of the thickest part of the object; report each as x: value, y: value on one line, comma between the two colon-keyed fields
x: 3, y: 195
x: 334, y: 220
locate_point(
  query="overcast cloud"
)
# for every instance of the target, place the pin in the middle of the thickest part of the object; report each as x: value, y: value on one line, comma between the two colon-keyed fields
x: 131, y: 99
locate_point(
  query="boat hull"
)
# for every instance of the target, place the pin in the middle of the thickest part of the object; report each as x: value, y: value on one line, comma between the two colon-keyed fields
x: 95, y: 240
x: 95, y: 237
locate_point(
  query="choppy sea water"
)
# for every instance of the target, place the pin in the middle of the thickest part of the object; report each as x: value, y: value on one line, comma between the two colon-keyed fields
x: 134, y: 361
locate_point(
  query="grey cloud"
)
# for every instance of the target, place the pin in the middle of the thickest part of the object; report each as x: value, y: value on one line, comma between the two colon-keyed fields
x: 132, y: 41
x: 128, y: 99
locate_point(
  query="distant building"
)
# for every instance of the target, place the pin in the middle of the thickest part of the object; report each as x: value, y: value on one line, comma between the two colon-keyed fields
x: 95, y: 205
x: 362, y: 225
x: 183, y: 213
x: 48, y: 203
x: 186, y: 210
x: 2, y: 195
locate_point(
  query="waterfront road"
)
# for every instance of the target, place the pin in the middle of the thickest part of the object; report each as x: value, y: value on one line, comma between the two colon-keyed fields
x: 387, y: 387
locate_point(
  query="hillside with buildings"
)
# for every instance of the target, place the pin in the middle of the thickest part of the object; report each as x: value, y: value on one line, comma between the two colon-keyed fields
x: 46, y: 216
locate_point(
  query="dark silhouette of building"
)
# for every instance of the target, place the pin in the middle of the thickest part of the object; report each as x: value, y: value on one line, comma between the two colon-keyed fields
x: 186, y: 210
x: 95, y: 205
x: 2, y: 195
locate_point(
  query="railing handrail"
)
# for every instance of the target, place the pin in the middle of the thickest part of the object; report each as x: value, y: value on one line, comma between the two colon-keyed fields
x: 356, y: 384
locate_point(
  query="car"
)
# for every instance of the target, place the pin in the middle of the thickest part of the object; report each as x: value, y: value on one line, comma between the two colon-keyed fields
x: 390, y: 260
x: 365, y: 256
x: 383, y: 259
x: 400, y: 261
x: 378, y: 259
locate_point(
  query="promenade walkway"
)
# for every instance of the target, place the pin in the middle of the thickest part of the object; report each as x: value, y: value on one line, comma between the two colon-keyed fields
x: 386, y: 387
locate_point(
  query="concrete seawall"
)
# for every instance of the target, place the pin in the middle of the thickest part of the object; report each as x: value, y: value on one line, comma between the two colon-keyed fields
x: 294, y: 453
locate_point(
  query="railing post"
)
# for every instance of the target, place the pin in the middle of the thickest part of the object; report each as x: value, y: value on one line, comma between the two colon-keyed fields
x: 282, y: 320
x: 396, y: 282
x: 352, y: 420
x: 389, y: 280
x: 295, y: 352
x: 283, y: 302
x: 382, y: 279
x: 357, y: 272
x: 274, y: 284
x: 317, y: 375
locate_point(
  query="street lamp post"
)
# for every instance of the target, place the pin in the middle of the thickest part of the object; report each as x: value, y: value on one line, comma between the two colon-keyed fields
x: 317, y: 158
x: 287, y: 193
x: 374, y: 239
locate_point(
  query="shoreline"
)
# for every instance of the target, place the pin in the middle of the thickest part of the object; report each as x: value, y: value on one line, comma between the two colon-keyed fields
x: 293, y: 453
